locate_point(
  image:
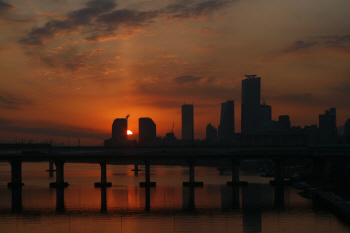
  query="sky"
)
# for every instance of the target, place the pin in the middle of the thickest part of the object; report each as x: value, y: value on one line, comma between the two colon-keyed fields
x: 69, y: 68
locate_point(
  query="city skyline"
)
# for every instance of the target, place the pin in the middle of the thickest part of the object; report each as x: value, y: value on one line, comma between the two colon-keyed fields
x: 68, y: 70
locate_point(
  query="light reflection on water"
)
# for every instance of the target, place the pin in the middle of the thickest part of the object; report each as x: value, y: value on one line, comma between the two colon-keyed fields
x: 172, y: 207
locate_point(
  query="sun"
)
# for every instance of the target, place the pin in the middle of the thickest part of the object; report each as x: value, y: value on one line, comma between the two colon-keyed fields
x: 129, y: 132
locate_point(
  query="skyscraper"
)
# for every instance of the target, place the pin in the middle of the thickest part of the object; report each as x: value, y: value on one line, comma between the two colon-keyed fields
x: 264, y: 113
x: 187, y: 122
x: 328, y: 127
x: 284, y: 120
x: 119, y: 129
x: 347, y: 131
x: 250, y: 104
x: 211, y: 133
x: 147, y: 130
x: 227, y: 121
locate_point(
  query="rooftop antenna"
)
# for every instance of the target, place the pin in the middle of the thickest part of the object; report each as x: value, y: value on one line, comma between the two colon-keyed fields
x: 127, y: 116
x: 172, y: 130
x: 264, y: 102
x: 251, y: 76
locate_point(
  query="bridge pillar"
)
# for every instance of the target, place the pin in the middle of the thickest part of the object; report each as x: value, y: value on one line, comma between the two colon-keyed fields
x: 191, y: 182
x: 103, y: 199
x: 148, y: 198
x: 235, y: 175
x: 321, y: 168
x: 16, y: 174
x: 59, y: 198
x: 16, y: 193
x: 279, y: 173
x: 103, y: 182
x: 59, y: 176
x: 51, y: 170
x: 147, y: 182
x: 136, y: 169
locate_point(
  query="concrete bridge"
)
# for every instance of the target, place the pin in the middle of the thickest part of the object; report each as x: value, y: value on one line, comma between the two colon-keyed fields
x: 192, y: 156
x: 167, y: 155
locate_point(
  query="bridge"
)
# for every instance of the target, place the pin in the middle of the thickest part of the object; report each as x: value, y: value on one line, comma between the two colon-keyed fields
x: 167, y: 155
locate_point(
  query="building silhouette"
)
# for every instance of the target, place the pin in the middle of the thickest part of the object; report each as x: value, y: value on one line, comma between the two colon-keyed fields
x: 211, y: 133
x: 147, y: 130
x: 347, y: 131
x: 250, y: 104
x: 264, y: 113
x: 227, y: 121
x: 328, y: 127
x: 284, y: 120
x: 119, y: 133
x: 119, y: 129
x: 187, y: 122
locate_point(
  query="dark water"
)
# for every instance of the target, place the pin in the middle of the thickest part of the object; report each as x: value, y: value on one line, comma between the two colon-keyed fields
x: 170, y: 206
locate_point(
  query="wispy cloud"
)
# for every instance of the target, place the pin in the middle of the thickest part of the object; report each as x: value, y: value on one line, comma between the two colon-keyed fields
x: 194, y: 10
x: 11, y: 102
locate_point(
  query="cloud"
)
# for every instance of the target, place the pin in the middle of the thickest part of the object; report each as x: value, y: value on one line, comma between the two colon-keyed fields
x: 301, y: 45
x: 306, y: 97
x: 11, y: 102
x: 186, y: 79
x: 51, y: 129
x: 99, y: 21
x: 5, y: 6
x: 39, y: 36
x: 188, y: 87
x: 65, y: 60
x: 341, y: 41
x: 195, y: 10
x: 209, y: 47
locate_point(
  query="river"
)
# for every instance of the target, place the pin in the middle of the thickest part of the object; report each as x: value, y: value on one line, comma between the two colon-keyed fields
x: 169, y: 207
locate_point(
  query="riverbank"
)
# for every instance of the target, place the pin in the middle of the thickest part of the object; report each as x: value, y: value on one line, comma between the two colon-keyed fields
x: 339, y: 205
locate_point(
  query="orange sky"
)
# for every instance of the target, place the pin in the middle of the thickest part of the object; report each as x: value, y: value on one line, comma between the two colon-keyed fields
x: 69, y: 68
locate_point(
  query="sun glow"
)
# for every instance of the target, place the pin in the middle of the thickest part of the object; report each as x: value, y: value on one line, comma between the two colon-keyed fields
x: 129, y: 132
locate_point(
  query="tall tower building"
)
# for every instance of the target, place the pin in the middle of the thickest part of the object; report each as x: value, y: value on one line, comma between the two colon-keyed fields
x: 187, y: 122
x: 284, y: 120
x: 264, y: 113
x: 119, y: 129
x: 211, y: 133
x: 227, y: 121
x: 147, y: 130
x: 347, y: 131
x: 250, y: 104
x: 328, y: 127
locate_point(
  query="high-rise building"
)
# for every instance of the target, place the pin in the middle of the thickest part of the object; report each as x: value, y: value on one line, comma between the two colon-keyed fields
x: 328, y: 132
x: 264, y: 113
x: 250, y: 104
x: 119, y: 129
x: 147, y: 130
x: 187, y: 122
x: 347, y: 131
x: 284, y: 120
x: 211, y: 133
x: 227, y: 121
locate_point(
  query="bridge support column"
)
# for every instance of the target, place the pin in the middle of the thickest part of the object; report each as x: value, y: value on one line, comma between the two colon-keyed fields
x: 103, y: 182
x: 16, y: 193
x: 147, y: 182
x: 59, y: 198
x: 191, y: 182
x: 136, y: 169
x: 51, y: 170
x: 59, y: 176
x: 103, y: 199
x: 321, y: 168
x: 16, y: 174
x: 279, y: 173
x: 235, y: 175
